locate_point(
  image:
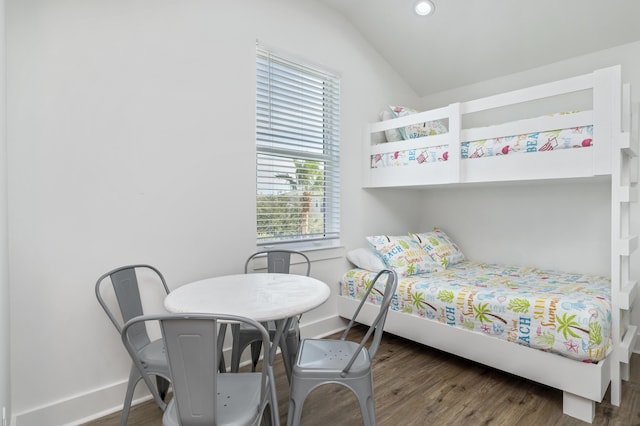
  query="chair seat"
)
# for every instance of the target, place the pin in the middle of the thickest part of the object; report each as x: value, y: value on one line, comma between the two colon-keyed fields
x: 237, y: 404
x: 328, y: 357
x: 153, y: 356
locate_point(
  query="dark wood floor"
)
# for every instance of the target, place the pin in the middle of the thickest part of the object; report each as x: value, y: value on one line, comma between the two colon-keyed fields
x: 416, y: 385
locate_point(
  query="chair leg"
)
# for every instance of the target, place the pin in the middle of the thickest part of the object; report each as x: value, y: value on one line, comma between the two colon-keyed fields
x: 363, y: 389
x: 222, y: 366
x: 297, y: 394
x: 163, y: 387
x: 236, y: 354
x: 235, y: 348
x: 152, y: 388
x: 368, y: 409
x: 267, y: 416
x: 156, y: 396
x: 295, y: 412
x: 222, y: 332
x: 293, y: 343
x: 134, y: 377
x: 256, y: 348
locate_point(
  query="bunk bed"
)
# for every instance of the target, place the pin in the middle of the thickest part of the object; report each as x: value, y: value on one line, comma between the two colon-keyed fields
x: 446, y: 153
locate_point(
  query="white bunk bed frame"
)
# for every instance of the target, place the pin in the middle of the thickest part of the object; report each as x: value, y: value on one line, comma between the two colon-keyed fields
x: 613, y: 153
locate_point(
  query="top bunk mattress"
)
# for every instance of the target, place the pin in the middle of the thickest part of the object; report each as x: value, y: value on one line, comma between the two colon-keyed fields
x: 567, y: 314
x: 574, y: 137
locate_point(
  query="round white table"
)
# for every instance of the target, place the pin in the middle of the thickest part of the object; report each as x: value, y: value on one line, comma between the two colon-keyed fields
x: 263, y: 297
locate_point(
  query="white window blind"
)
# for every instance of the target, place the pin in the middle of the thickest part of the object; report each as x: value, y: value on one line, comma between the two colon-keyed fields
x: 297, y: 142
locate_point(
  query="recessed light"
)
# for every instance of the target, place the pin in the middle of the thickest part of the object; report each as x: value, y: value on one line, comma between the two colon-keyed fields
x: 424, y: 7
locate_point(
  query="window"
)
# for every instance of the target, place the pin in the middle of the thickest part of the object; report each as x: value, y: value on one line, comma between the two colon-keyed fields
x: 297, y: 145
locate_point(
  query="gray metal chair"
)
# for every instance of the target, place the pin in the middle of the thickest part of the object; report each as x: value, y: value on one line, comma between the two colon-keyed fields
x: 278, y: 261
x: 322, y: 361
x: 149, y: 357
x: 201, y: 394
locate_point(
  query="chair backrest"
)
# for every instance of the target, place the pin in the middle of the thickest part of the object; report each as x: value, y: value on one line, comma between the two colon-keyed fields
x: 193, y: 352
x: 278, y: 261
x: 377, y: 326
x: 126, y: 287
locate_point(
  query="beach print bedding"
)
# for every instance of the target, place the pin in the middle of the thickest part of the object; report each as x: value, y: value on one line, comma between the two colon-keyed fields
x: 578, y: 137
x: 564, y: 313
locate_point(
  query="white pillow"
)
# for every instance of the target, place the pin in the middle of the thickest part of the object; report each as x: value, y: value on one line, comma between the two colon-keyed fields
x: 366, y: 258
x: 392, y: 135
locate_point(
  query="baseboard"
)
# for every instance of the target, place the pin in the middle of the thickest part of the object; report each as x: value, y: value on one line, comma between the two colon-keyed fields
x: 92, y: 405
x: 79, y: 409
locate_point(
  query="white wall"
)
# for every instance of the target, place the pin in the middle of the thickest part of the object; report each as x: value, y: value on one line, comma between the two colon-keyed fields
x: 131, y: 139
x: 5, y: 379
x: 564, y: 226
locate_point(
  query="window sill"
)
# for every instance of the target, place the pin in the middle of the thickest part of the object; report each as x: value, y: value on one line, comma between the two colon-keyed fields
x: 315, y: 250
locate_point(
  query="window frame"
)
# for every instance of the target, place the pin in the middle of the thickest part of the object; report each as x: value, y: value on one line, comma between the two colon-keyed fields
x: 290, y: 92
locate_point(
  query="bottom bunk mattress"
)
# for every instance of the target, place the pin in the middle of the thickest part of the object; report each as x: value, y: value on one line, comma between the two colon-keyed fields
x: 564, y: 313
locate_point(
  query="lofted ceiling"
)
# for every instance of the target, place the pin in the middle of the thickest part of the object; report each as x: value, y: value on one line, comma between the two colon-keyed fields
x: 468, y: 41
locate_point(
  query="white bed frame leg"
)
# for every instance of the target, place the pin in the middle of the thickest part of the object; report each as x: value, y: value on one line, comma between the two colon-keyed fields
x: 625, y: 372
x: 576, y: 406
